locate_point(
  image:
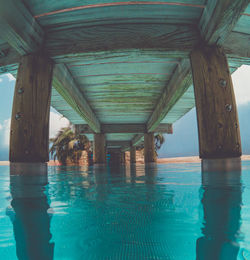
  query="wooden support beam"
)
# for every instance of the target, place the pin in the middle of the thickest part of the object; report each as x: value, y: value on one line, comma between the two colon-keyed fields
x: 99, y: 148
x: 219, y: 18
x: 123, y: 128
x: 149, y: 148
x: 110, y: 37
x: 137, y: 139
x: 122, y: 144
x: 66, y: 86
x: 132, y: 154
x: 19, y: 28
x: 219, y: 135
x: 29, y: 138
x: 179, y: 83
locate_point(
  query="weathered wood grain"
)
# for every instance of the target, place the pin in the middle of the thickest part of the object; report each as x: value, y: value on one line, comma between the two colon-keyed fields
x: 218, y: 125
x: 29, y: 135
x: 237, y: 44
x: 179, y: 83
x: 123, y: 128
x: 121, y: 36
x: 99, y: 148
x: 19, y: 28
x: 132, y: 154
x: 137, y: 139
x: 149, y: 148
x: 68, y: 89
x: 122, y: 144
x: 38, y: 7
x: 219, y: 19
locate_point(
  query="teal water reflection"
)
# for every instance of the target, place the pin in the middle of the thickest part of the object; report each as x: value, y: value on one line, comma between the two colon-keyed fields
x: 133, y: 212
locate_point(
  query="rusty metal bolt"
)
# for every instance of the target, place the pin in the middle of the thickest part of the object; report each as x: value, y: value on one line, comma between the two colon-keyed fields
x: 223, y: 82
x: 228, y: 107
x: 20, y: 91
x: 17, y: 116
x: 219, y: 147
x: 220, y: 125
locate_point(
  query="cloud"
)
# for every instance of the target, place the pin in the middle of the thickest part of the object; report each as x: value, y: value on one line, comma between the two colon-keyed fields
x: 57, y: 121
x: 1, y: 79
x: 241, y: 79
x: 10, y: 77
x: 6, y: 132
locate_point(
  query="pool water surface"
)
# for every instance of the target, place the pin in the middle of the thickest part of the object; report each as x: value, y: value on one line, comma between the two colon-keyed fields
x: 165, y: 211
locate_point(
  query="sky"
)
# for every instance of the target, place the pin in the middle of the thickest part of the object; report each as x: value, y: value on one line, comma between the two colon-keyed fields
x: 183, y: 141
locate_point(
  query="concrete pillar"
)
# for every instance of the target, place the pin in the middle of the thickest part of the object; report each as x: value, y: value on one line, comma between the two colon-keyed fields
x: 99, y: 148
x: 132, y: 154
x: 218, y: 125
x: 29, y: 136
x: 149, y: 148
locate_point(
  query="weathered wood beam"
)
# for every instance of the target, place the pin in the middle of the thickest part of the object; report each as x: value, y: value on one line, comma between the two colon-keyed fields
x: 123, y: 128
x: 149, y: 148
x: 29, y: 137
x: 237, y: 45
x: 79, y: 39
x: 219, y: 18
x: 137, y: 139
x: 66, y: 86
x: 132, y: 154
x: 218, y: 125
x: 19, y: 28
x: 99, y: 148
x: 179, y: 83
x: 122, y: 144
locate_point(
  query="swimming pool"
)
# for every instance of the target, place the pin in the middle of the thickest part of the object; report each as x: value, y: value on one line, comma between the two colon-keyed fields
x: 171, y: 211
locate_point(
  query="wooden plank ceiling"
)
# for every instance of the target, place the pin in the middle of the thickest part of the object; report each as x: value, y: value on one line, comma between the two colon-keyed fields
x: 122, y: 62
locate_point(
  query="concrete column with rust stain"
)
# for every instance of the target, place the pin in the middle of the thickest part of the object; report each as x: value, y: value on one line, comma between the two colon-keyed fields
x: 149, y: 148
x: 29, y: 138
x: 218, y: 125
x: 99, y: 149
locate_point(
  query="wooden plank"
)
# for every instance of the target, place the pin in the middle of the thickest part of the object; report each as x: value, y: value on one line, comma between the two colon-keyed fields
x: 19, y: 28
x: 237, y: 44
x: 218, y: 125
x: 123, y: 128
x: 29, y: 140
x: 68, y: 89
x: 219, y: 18
x: 179, y: 83
x: 121, y: 36
x: 118, y: 143
x: 137, y: 139
x: 9, y: 59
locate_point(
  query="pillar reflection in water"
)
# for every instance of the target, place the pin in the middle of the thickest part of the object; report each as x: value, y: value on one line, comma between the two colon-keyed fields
x: 221, y: 201
x: 30, y: 218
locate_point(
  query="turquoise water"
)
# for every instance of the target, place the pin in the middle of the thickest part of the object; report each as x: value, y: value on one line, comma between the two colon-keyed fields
x: 171, y: 211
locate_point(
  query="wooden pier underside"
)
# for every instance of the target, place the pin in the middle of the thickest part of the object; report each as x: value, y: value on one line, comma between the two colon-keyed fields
x: 122, y: 63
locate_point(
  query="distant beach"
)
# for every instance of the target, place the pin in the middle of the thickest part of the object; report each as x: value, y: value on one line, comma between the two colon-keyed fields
x: 189, y: 159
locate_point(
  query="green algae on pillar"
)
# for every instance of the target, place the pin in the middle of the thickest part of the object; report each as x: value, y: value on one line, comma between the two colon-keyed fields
x: 218, y: 125
x: 29, y: 135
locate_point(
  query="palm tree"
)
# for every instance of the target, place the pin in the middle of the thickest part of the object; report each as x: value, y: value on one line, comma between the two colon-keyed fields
x: 67, y: 145
x: 159, y: 140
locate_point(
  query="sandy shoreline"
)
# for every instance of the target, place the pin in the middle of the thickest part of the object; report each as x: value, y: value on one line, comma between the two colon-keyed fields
x: 189, y: 159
